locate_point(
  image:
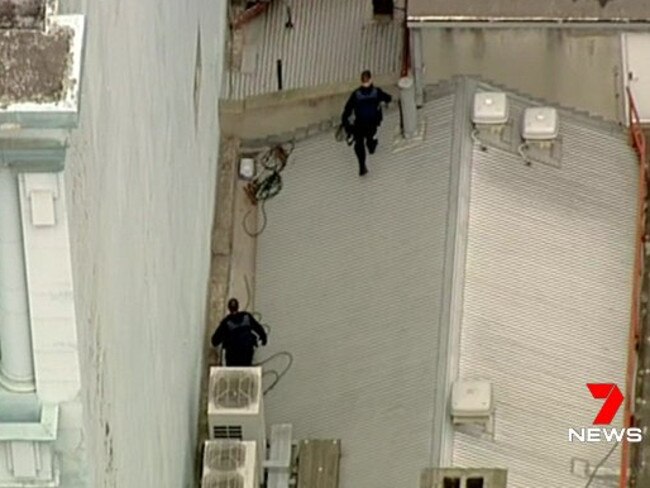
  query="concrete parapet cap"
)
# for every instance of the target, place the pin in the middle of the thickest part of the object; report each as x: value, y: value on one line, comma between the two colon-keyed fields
x: 44, y: 430
x: 299, y: 95
x: 52, y: 95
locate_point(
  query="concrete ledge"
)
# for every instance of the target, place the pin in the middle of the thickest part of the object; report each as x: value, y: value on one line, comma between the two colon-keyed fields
x: 300, y: 95
x: 44, y: 430
x: 283, y: 114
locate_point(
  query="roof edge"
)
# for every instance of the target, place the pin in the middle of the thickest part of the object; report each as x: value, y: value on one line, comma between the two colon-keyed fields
x: 451, y: 309
x: 414, y: 21
x: 582, y: 116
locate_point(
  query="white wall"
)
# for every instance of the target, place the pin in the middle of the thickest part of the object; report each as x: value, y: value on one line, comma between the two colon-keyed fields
x: 140, y: 182
x: 576, y: 68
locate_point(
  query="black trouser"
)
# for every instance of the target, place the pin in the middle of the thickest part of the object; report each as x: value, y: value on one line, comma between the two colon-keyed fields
x: 364, y: 135
x: 242, y: 357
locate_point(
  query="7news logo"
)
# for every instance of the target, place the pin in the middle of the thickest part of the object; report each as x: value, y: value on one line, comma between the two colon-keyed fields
x: 613, y: 401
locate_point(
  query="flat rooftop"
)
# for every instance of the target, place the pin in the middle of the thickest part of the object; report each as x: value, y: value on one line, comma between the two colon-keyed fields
x: 451, y: 262
x: 34, y: 65
x: 529, y: 10
x: 22, y: 14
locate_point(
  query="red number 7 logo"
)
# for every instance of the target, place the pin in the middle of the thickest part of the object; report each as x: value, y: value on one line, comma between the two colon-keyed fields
x: 613, y: 401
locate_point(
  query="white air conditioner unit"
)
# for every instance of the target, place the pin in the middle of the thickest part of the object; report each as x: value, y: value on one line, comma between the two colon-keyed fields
x: 472, y: 402
x: 230, y: 464
x: 236, y: 407
x: 541, y: 124
x: 490, y: 109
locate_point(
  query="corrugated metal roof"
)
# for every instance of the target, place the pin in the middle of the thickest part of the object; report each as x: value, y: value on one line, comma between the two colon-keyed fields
x: 349, y: 277
x: 332, y: 41
x: 547, y: 299
x: 361, y: 279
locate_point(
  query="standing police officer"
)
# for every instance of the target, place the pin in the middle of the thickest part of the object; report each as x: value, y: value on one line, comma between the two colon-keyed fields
x: 238, y: 332
x: 365, y: 104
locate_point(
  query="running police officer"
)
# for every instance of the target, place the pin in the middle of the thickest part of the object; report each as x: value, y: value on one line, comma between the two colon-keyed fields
x: 364, y: 103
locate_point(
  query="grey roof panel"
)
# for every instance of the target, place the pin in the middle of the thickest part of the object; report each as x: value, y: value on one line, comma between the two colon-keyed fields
x: 349, y: 277
x: 352, y: 276
x: 547, y: 299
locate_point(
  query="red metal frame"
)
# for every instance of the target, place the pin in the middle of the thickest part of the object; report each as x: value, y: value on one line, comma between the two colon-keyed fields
x: 406, y: 52
x: 638, y: 141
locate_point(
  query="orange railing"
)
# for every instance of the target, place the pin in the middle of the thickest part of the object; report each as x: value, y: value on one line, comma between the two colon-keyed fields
x: 637, y: 139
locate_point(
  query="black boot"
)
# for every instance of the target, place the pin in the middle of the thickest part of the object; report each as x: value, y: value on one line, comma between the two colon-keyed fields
x: 360, y: 151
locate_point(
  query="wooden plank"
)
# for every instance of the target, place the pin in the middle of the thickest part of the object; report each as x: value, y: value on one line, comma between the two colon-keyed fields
x: 318, y: 463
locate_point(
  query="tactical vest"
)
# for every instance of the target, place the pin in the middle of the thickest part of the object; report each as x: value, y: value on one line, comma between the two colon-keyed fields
x: 367, y: 108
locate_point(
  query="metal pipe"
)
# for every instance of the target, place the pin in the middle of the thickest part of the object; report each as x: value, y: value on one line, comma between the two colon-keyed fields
x: 407, y: 106
x: 279, y: 72
x: 417, y: 65
x: 289, y: 23
x: 16, y: 364
x: 406, y: 51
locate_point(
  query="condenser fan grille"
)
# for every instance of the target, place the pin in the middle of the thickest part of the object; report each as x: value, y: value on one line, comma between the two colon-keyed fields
x: 234, y: 389
x: 223, y: 480
x: 225, y: 456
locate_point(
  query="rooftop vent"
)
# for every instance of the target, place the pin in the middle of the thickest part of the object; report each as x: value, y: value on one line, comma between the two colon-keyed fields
x: 540, y: 124
x: 490, y: 108
x: 472, y: 402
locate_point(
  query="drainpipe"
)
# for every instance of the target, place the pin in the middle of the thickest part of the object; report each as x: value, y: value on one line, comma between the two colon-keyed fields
x: 408, y: 108
x: 417, y: 65
x: 16, y: 367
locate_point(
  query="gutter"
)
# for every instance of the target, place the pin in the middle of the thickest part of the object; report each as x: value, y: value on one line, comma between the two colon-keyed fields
x: 460, y: 21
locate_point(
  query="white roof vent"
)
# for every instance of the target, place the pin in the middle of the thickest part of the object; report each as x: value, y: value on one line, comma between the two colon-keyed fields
x: 472, y: 406
x: 471, y: 399
x: 540, y: 124
x: 490, y: 108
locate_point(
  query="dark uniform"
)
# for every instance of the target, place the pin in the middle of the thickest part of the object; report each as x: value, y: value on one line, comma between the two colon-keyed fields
x: 365, y: 104
x: 239, y: 332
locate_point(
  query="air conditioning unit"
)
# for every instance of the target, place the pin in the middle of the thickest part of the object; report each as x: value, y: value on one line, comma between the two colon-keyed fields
x: 236, y: 407
x: 230, y: 464
x: 490, y: 109
x: 472, y: 402
x: 463, y: 478
x: 541, y: 125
